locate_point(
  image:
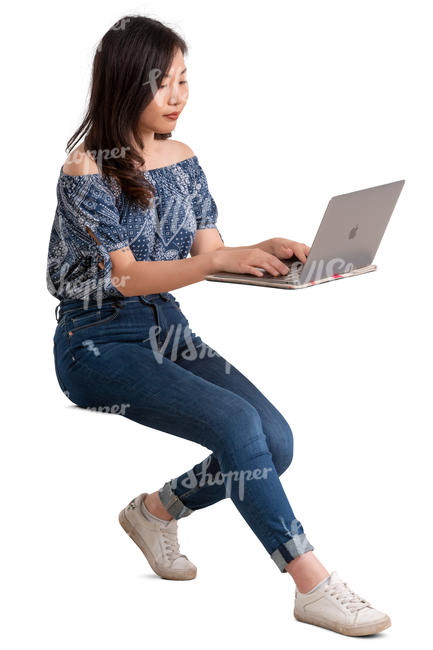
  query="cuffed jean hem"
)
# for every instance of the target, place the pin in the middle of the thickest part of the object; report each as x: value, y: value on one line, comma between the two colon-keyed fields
x: 172, y: 502
x: 285, y: 553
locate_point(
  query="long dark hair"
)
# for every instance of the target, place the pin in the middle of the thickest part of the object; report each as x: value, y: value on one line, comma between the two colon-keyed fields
x: 125, y: 60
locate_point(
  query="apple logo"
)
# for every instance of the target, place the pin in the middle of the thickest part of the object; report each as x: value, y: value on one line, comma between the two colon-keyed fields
x: 353, y: 232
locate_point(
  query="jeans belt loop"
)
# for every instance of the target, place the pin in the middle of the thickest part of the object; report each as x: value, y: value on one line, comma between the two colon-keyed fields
x: 155, y: 311
x: 155, y: 314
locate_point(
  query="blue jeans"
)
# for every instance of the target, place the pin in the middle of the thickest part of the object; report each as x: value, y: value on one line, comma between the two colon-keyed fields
x: 137, y: 357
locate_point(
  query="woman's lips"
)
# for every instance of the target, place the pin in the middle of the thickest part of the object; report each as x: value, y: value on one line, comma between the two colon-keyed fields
x: 172, y: 116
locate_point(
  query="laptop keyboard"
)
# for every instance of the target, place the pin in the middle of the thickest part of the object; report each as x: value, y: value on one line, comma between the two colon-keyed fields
x: 290, y: 278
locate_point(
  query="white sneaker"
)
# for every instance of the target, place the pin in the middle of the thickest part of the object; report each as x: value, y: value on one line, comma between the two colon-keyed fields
x: 335, y: 606
x: 158, y: 541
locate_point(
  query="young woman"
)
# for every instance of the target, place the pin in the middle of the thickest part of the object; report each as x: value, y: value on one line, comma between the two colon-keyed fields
x: 132, y: 204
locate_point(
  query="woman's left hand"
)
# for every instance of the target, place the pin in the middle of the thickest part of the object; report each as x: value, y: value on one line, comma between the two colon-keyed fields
x: 285, y: 248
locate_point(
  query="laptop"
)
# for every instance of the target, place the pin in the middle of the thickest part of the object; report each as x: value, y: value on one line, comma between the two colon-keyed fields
x: 345, y: 244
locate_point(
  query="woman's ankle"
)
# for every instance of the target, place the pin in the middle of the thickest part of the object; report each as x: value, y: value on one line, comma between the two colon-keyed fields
x: 155, y: 507
x: 307, y: 571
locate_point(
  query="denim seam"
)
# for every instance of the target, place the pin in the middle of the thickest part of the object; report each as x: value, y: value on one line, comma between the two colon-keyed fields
x: 138, y: 393
x: 269, y: 536
x: 126, y: 386
x: 96, y: 323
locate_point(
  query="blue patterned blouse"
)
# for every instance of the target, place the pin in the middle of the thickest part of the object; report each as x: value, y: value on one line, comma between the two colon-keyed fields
x: 165, y: 231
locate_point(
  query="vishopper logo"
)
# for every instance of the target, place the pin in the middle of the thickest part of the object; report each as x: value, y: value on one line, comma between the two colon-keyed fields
x: 118, y: 409
x: 223, y: 478
x: 178, y: 211
x: 157, y: 92
x: 80, y: 289
x: 98, y: 155
x: 90, y: 345
x: 188, y: 353
x: 154, y: 75
x: 120, y: 25
x: 295, y: 533
x: 321, y: 268
x: 168, y: 217
x: 104, y: 154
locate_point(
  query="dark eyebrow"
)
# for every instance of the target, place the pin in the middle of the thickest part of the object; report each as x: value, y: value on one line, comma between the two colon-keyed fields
x: 169, y: 75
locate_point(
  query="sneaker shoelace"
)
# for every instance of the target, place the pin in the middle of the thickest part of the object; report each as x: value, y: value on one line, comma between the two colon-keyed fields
x: 342, y: 592
x: 169, y: 537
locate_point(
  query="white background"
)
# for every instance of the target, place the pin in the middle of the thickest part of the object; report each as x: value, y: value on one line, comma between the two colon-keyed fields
x: 290, y: 103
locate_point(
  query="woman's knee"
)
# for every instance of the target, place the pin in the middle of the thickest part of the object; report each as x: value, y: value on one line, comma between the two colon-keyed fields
x: 242, y: 432
x: 280, y: 440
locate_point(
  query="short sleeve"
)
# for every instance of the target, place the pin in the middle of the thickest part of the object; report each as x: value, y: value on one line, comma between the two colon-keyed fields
x: 205, y: 208
x: 87, y: 202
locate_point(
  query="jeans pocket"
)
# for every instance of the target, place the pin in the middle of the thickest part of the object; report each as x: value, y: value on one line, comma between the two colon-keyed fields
x: 86, y: 320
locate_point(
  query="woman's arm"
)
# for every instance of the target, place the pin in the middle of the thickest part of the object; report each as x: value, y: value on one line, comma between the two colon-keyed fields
x: 136, y: 278
x: 283, y: 248
x: 209, y: 240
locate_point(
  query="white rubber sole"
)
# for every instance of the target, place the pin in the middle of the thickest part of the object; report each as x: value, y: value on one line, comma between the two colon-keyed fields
x: 139, y: 541
x: 348, y: 630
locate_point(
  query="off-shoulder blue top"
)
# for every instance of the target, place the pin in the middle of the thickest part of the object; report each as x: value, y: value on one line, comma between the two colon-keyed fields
x: 165, y: 231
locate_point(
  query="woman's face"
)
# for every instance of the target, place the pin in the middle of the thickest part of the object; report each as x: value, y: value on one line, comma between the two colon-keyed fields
x: 170, y: 97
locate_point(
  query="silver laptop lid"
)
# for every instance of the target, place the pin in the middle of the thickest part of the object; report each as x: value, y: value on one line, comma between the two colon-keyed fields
x: 351, y: 230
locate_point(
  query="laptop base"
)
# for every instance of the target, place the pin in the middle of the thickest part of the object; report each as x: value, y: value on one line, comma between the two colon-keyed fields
x: 248, y: 278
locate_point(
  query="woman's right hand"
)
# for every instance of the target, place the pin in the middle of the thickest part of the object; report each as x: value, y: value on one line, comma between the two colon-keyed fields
x: 245, y: 260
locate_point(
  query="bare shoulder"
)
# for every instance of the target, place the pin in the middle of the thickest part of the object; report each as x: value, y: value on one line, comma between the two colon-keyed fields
x: 180, y: 150
x: 80, y: 163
